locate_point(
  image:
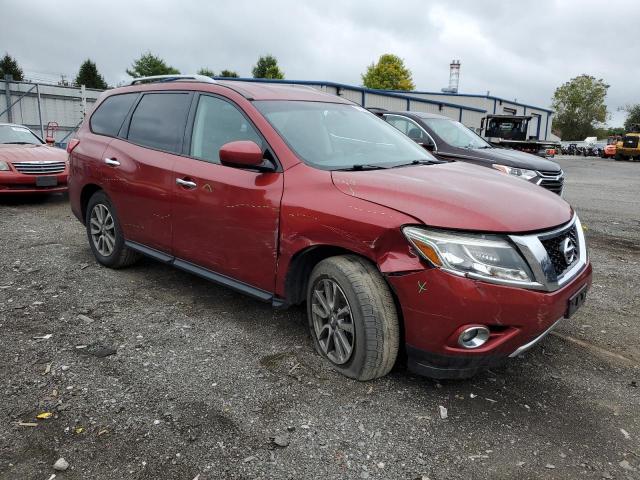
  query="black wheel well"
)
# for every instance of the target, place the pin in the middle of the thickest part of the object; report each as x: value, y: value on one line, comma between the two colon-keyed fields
x: 300, y: 268
x: 87, y: 193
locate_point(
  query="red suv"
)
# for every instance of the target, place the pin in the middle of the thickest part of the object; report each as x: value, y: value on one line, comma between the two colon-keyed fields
x: 292, y: 195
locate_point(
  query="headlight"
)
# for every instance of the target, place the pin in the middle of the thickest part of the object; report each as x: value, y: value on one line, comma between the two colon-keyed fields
x: 4, y: 166
x: 489, y: 257
x: 516, y: 172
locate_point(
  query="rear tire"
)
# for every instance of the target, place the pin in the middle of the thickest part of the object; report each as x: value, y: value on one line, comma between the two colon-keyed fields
x: 105, y: 235
x: 352, y: 317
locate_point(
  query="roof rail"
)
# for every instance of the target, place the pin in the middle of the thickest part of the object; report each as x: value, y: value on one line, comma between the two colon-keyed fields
x: 172, y: 78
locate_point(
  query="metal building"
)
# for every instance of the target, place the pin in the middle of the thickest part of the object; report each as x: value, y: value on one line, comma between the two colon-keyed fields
x: 34, y: 105
x: 466, y: 108
x: 539, y: 126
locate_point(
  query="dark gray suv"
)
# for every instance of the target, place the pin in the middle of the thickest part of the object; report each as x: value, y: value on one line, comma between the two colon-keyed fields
x: 451, y: 140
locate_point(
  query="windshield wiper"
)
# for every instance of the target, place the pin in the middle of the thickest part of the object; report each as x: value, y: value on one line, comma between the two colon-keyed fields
x: 420, y: 162
x: 18, y: 143
x: 361, y: 166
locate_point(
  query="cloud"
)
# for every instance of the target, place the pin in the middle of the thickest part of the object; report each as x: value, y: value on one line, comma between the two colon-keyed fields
x: 520, y: 50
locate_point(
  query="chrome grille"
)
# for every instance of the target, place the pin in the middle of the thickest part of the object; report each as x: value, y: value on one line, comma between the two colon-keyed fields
x: 550, y: 173
x: 548, y: 263
x: 551, y: 180
x: 39, y: 168
x: 555, y: 245
x: 555, y: 186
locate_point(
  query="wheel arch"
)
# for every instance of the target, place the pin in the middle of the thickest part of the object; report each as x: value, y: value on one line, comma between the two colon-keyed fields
x: 86, y: 194
x: 301, y: 265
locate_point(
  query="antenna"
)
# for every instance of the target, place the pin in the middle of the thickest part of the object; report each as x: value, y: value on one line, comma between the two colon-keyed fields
x: 454, y: 77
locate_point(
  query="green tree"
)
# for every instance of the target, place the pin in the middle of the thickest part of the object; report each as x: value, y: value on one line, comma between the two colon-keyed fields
x: 89, y: 76
x: 633, y: 116
x: 604, y: 132
x: 267, y: 67
x: 148, y: 65
x: 9, y: 66
x: 207, y: 72
x: 580, y: 107
x: 230, y: 74
x: 389, y: 73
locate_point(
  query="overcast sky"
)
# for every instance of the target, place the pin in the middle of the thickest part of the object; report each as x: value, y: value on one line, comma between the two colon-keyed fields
x: 514, y: 49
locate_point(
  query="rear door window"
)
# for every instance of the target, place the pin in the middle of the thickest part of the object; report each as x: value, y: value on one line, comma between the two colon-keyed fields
x: 408, y: 127
x: 110, y: 115
x: 159, y: 121
x: 218, y: 122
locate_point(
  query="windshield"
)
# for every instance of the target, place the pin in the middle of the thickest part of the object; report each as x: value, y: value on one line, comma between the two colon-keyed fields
x: 334, y: 136
x: 455, y: 134
x: 18, y: 135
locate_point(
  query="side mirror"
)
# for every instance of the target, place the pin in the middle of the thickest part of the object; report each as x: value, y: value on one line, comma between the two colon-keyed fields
x: 428, y: 146
x: 241, y: 153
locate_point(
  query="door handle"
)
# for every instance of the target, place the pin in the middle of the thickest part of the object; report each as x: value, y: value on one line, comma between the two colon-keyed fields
x: 186, y: 183
x: 112, y: 161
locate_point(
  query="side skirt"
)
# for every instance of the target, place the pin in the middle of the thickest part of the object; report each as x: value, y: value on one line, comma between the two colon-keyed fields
x: 218, y: 278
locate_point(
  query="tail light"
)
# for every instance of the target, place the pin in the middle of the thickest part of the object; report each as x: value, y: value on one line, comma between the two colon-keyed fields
x: 73, y: 143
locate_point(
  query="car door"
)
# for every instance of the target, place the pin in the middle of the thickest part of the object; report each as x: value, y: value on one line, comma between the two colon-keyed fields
x: 138, y: 168
x: 225, y: 219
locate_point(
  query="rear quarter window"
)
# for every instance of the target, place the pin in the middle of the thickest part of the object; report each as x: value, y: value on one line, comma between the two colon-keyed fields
x: 159, y: 121
x: 110, y: 115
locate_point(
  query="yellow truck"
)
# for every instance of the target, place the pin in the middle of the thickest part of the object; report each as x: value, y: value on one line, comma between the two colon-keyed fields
x: 628, y: 148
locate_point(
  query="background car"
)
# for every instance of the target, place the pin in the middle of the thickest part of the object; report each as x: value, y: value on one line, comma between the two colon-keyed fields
x: 27, y: 164
x: 451, y: 140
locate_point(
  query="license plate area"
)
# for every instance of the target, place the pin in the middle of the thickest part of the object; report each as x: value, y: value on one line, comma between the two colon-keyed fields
x: 576, y: 301
x: 47, y: 181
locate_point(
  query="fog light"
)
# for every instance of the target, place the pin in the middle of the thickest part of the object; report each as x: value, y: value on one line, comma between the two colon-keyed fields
x: 473, y: 337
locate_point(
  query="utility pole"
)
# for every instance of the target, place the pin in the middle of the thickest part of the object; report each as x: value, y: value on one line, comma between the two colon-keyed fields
x: 83, y: 100
x: 39, y: 110
x: 7, y: 95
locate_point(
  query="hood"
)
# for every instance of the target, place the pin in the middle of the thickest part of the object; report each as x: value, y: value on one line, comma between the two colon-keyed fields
x: 512, y: 158
x: 31, y: 153
x: 459, y: 196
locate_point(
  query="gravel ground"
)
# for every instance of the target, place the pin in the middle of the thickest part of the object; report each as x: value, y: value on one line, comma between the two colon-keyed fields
x: 152, y: 373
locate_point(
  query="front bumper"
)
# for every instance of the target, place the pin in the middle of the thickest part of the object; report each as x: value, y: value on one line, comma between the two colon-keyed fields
x: 437, y: 305
x: 629, y: 152
x: 12, y: 182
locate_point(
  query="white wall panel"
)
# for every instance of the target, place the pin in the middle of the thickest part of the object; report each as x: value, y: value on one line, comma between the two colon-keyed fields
x: 387, y: 102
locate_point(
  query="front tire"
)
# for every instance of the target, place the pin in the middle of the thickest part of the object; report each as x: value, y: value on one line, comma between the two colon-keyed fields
x: 105, y: 235
x: 352, y: 317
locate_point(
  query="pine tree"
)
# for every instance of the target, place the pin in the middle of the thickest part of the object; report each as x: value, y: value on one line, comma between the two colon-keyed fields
x: 89, y: 76
x: 9, y: 66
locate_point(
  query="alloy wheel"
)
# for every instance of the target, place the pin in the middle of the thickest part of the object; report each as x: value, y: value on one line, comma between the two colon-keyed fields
x: 332, y: 321
x: 102, y: 229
